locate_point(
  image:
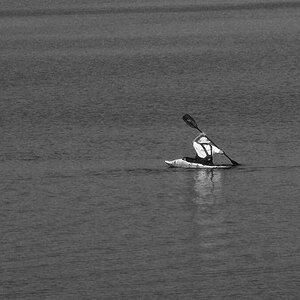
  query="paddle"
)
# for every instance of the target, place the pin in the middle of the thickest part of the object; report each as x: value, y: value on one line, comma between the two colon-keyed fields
x: 192, y: 123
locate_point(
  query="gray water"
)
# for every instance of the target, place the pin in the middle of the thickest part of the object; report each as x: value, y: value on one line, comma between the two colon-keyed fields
x: 90, y: 107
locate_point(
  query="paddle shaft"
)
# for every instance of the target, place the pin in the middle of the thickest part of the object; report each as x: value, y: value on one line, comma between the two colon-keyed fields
x: 192, y: 123
x: 232, y: 161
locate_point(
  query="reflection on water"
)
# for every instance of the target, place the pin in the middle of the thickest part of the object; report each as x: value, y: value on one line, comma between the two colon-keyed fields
x: 208, y: 188
x: 211, y: 209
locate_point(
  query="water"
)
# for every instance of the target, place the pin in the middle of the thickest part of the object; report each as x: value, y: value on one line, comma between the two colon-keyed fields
x: 91, y: 106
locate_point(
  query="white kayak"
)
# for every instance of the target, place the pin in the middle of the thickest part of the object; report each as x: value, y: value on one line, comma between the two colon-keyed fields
x: 181, y: 163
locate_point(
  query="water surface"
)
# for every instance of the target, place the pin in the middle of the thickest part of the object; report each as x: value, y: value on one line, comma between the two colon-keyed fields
x: 90, y: 108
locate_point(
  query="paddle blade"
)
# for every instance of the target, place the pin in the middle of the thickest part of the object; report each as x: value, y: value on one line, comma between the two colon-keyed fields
x: 190, y: 121
x: 235, y: 163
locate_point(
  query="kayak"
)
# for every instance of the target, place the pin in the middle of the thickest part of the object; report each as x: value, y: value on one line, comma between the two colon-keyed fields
x: 181, y: 163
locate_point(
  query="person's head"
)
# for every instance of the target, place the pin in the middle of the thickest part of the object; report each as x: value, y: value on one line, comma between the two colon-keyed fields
x: 204, y: 139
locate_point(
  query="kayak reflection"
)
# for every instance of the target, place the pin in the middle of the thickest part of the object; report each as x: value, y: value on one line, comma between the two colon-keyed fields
x: 210, y: 216
x: 209, y: 200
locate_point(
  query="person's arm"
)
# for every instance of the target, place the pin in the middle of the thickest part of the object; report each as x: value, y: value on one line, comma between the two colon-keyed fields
x: 216, y: 149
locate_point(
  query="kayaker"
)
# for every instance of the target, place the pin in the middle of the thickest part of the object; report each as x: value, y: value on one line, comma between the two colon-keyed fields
x: 204, y: 150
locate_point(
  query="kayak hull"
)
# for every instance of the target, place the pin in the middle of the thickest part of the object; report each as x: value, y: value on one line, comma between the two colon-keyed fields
x: 181, y: 163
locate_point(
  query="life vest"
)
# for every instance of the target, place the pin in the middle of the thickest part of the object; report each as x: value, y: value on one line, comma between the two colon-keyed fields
x: 204, y: 147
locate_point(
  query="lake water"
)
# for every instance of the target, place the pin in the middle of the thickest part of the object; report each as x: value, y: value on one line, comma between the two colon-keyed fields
x: 90, y: 107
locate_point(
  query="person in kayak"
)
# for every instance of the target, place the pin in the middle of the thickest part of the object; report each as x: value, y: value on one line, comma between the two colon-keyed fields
x: 204, y: 150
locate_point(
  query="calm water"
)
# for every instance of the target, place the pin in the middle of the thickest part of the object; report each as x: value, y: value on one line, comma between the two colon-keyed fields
x: 91, y: 106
